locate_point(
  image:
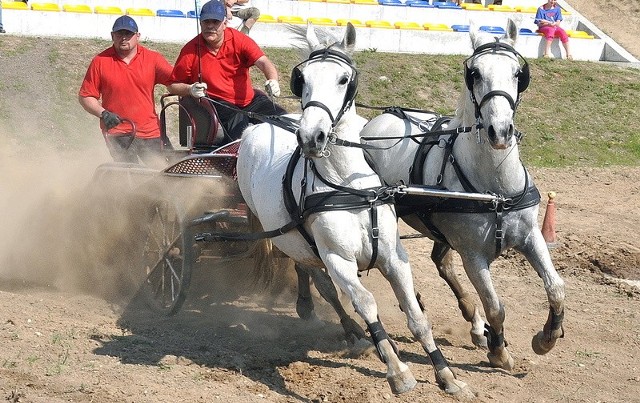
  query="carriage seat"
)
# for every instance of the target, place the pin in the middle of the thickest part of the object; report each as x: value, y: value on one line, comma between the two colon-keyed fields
x: 199, y: 125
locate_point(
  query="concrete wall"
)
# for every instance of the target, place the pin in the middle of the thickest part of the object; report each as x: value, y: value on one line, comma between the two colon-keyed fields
x: 180, y: 30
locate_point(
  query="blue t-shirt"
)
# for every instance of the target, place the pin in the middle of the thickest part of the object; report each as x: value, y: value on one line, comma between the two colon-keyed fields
x: 553, y: 14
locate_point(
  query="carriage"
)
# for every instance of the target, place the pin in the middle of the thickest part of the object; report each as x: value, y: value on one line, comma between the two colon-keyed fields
x: 340, y: 189
x: 195, y: 193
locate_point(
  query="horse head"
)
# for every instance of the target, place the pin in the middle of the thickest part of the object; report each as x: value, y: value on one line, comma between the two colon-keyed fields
x: 326, y: 83
x: 495, y: 78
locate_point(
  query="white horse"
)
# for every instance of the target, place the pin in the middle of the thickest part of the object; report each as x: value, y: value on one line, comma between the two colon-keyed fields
x: 478, y: 153
x: 342, y: 216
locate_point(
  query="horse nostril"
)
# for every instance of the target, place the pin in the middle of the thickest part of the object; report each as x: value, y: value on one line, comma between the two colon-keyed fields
x: 321, y: 137
x: 491, y: 132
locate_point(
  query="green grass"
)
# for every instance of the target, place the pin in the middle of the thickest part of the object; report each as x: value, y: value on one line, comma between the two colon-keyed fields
x: 573, y: 114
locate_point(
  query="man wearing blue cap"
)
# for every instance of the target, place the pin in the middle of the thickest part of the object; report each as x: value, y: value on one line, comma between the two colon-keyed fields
x: 216, y: 64
x: 119, y: 85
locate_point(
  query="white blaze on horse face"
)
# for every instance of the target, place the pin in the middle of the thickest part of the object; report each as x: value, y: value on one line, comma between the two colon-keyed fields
x: 497, y: 72
x: 326, y: 83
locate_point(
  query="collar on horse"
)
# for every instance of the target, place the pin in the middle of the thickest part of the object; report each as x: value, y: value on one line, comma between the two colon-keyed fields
x: 424, y: 207
x: 342, y: 198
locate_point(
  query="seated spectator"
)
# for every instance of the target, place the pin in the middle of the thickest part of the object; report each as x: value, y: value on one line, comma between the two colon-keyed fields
x: 548, y: 19
x: 243, y: 16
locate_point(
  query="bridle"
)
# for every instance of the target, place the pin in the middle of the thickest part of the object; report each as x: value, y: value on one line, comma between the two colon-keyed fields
x: 297, y: 84
x: 470, y: 76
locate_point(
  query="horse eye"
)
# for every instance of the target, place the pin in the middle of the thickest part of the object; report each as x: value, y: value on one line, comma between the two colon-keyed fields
x: 344, y: 80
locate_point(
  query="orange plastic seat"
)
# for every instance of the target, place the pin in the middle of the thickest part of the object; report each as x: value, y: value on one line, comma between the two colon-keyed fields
x: 44, y: 6
x: 140, y: 11
x: 437, y: 27
x: 14, y: 5
x: 291, y: 19
x: 408, y: 25
x: 77, y: 8
x: 379, y: 24
x: 343, y: 22
x: 321, y: 21
x: 108, y: 10
x: 267, y: 18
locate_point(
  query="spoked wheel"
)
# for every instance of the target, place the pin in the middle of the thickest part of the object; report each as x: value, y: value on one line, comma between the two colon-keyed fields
x: 169, y: 255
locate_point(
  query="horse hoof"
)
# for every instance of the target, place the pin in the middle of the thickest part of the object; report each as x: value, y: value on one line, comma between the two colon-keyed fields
x: 479, y: 340
x: 501, y: 360
x: 540, y: 346
x: 402, y: 382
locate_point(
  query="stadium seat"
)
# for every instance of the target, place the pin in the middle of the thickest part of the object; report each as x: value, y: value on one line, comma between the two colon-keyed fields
x: 390, y: 3
x: 267, y: 18
x: 192, y: 14
x: 108, y: 10
x: 339, y: 1
x: 44, y: 6
x: 14, y: 5
x: 370, y: 2
x: 446, y: 4
x: 378, y: 24
x: 474, y: 7
x: 321, y: 21
x: 496, y: 7
x: 460, y: 28
x: 408, y: 25
x: 170, y: 13
x: 437, y: 27
x: 291, y: 19
x: 492, y: 29
x: 343, y: 22
x: 526, y: 9
x: 140, y: 11
x: 579, y: 34
x: 77, y: 8
x: 527, y: 31
x: 419, y: 3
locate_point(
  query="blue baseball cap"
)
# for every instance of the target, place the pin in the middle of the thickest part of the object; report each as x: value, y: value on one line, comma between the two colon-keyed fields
x: 125, y: 22
x: 213, y: 10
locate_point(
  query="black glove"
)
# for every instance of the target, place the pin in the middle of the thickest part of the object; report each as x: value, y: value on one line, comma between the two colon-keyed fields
x: 110, y: 119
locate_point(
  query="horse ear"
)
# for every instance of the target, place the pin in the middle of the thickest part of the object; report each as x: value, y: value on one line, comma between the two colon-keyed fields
x: 512, y: 31
x: 349, y: 41
x: 474, y: 33
x: 312, y: 38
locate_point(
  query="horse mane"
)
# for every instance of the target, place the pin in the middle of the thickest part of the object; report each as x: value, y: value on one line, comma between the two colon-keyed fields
x: 327, y: 40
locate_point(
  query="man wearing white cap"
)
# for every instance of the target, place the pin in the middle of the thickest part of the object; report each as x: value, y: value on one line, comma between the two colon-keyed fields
x: 216, y: 64
x: 119, y: 85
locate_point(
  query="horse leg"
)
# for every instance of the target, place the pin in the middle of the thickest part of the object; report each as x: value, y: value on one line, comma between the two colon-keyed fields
x: 352, y: 330
x: 304, y: 303
x: 478, y: 273
x: 400, y: 277
x: 538, y: 256
x: 442, y: 256
x: 345, y: 275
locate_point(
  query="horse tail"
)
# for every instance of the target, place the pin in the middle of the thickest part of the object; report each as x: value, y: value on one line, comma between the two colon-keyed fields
x: 269, y: 264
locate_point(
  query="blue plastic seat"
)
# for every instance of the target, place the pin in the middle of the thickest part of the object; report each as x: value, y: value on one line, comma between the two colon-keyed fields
x: 492, y: 29
x: 527, y: 31
x: 460, y: 28
x: 192, y: 14
x: 446, y: 4
x: 170, y: 13
x: 390, y: 3
x: 419, y: 3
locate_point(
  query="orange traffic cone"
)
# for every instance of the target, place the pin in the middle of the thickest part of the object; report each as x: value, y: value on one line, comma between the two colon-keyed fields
x: 549, y: 223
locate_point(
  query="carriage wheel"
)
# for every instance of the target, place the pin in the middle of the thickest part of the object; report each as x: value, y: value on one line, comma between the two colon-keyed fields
x: 169, y: 255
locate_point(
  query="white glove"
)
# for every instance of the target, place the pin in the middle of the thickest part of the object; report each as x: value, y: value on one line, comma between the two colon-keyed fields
x: 272, y: 87
x: 197, y: 90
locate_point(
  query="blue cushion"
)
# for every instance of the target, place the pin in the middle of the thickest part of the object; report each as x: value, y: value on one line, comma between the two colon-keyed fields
x: 170, y: 13
x: 390, y: 3
x: 460, y: 28
x: 419, y: 3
